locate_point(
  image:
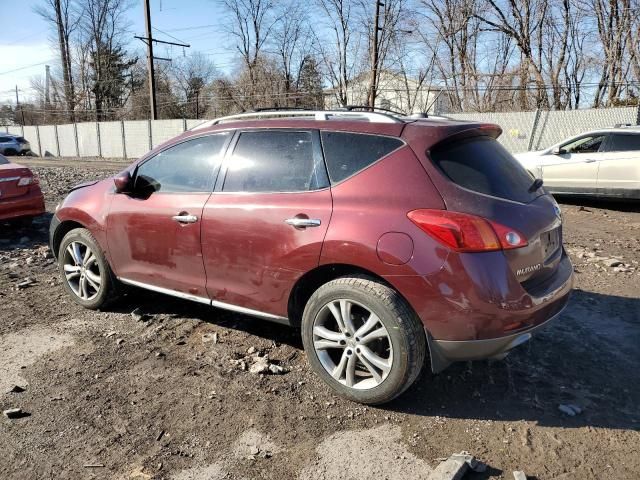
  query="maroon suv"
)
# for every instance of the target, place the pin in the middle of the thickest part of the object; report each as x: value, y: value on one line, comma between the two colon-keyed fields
x: 380, y: 236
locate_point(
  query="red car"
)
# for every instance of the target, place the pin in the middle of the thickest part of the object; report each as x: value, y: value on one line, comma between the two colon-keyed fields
x: 382, y: 237
x: 20, y: 196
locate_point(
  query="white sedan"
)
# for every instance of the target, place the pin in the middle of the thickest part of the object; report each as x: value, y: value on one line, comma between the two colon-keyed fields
x: 602, y: 163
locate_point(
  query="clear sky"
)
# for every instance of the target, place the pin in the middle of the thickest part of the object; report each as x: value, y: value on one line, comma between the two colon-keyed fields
x: 25, y: 39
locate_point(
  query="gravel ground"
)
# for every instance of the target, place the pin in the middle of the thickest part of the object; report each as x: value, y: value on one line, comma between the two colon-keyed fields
x: 171, y: 395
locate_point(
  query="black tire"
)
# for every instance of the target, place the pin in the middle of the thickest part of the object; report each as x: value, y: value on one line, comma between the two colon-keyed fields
x: 10, y: 152
x: 107, y: 292
x: 405, y: 333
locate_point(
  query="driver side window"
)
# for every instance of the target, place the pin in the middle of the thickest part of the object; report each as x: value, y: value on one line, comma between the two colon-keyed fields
x: 187, y: 167
x: 589, y: 144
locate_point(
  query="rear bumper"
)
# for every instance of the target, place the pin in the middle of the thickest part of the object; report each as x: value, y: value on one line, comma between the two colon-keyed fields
x: 475, y: 308
x: 445, y: 352
x: 29, y: 205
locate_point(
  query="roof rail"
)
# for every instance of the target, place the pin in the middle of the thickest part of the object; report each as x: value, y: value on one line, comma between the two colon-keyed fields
x: 316, y: 114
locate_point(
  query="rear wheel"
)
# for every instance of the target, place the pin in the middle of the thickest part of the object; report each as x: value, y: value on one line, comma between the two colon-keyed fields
x: 86, y: 275
x: 10, y: 152
x: 363, y: 339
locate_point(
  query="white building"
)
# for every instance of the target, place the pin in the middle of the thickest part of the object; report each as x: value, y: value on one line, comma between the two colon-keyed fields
x: 395, y: 92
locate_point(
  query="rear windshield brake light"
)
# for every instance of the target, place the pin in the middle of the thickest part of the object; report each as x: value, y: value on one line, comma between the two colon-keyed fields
x: 463, y: 232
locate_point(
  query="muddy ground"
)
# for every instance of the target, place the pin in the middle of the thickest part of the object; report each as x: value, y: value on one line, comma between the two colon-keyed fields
x: 166, y: 396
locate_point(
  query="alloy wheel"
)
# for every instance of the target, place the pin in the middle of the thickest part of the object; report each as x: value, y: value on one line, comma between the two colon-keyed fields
x: 82, y: 271
x: 352, y: 344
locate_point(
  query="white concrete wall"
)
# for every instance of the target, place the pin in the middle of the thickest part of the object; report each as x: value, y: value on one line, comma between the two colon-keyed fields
x: 48, y: 141
x: 67, y: 140
x: 111, y: 139
x: 136, y: 135
x: 519, y: 130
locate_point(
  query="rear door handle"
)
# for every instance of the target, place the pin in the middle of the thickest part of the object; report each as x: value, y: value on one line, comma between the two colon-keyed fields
x: 303, y: 222
x: 185, y: 218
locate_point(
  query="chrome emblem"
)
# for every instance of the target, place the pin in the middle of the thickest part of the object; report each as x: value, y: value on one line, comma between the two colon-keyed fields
x: 529, y: 269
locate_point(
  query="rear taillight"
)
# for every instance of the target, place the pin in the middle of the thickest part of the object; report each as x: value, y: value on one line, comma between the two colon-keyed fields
x: 466, y: 233
x: 26, y: 181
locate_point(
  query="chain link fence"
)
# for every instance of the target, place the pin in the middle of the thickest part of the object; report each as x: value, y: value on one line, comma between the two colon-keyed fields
x: 539, y: 129
x: 522, y: 131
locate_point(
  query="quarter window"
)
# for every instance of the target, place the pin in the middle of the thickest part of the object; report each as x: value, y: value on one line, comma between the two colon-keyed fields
x: 274, y: 161
x: 589, y: 144
x: 622, y: 143
x: 348, y: 153
x: 187, y: 167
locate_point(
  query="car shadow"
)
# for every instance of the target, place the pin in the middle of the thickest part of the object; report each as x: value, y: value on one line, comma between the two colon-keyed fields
x: 631, y: 205
x: 15, y: 235
x: 587, y: 357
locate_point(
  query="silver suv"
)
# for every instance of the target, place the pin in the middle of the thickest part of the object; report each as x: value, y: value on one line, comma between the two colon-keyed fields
x: 13, y: 144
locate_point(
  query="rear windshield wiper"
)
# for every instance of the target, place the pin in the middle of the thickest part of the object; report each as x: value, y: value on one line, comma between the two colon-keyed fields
x: 537, y: 183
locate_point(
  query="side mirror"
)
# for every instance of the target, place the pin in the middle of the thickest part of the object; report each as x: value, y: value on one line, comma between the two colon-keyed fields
x: 558, y: 151
x: 122, y: 182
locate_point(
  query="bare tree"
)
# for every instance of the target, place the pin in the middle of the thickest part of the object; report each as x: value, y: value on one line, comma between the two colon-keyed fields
x: 65, y: 18
x: 340, y: 51
x: 614, y: 19
x: 523, y: 22
x: 292, y: 43
x: 251, y: 24
x: 192, y: 75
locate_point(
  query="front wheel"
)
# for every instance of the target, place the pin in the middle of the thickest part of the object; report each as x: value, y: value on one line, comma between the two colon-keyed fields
x: 86, y: 275
x: 363, y: 339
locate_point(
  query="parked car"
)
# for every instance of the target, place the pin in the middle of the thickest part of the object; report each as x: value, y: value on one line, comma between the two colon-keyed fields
x: 20, y: 196
x: 603, y: 163
x: 13, y: 145
x: 379, y: 236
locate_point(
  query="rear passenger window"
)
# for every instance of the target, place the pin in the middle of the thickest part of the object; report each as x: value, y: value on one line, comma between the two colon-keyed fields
x: 483, y: 165
x: 622, y: 142
x: 187, y: 167
x: 5, y: 139
x: 348, y: 153
x: 274, y: 161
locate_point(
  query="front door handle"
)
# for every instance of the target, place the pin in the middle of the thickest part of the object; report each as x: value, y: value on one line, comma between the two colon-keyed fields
x: 303, y: 222
x: 185, y: 218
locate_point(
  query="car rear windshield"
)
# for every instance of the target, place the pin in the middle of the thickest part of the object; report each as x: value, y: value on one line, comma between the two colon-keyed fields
x: 483, y: 165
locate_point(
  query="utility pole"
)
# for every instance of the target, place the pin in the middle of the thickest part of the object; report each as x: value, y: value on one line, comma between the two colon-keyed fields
x: 374, y: 57
x: 66, y: 63
x: 47, y: 79
x: 148, y: 39
x: 152, y: 77
x: 19, y: 106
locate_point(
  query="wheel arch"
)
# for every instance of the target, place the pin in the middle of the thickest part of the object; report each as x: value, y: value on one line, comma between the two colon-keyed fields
x: 315, y: 278
x: 60, y: 231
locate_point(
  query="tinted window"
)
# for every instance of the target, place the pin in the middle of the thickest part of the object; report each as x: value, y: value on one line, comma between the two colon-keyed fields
x: 3, y: 160
x: 348, y: 153
x: 187, y: 167
x: 274, y: 161
x: 622, y: 142
x: 589, y: 144
x: 5, y: 139
x: 483, y: 165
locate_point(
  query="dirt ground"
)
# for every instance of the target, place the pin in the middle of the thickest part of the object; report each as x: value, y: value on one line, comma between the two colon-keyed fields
x: 166, y: 396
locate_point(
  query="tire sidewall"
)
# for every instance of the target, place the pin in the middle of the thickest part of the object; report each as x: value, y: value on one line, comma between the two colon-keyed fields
x: 83, y: 235
x: 397, y: 377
